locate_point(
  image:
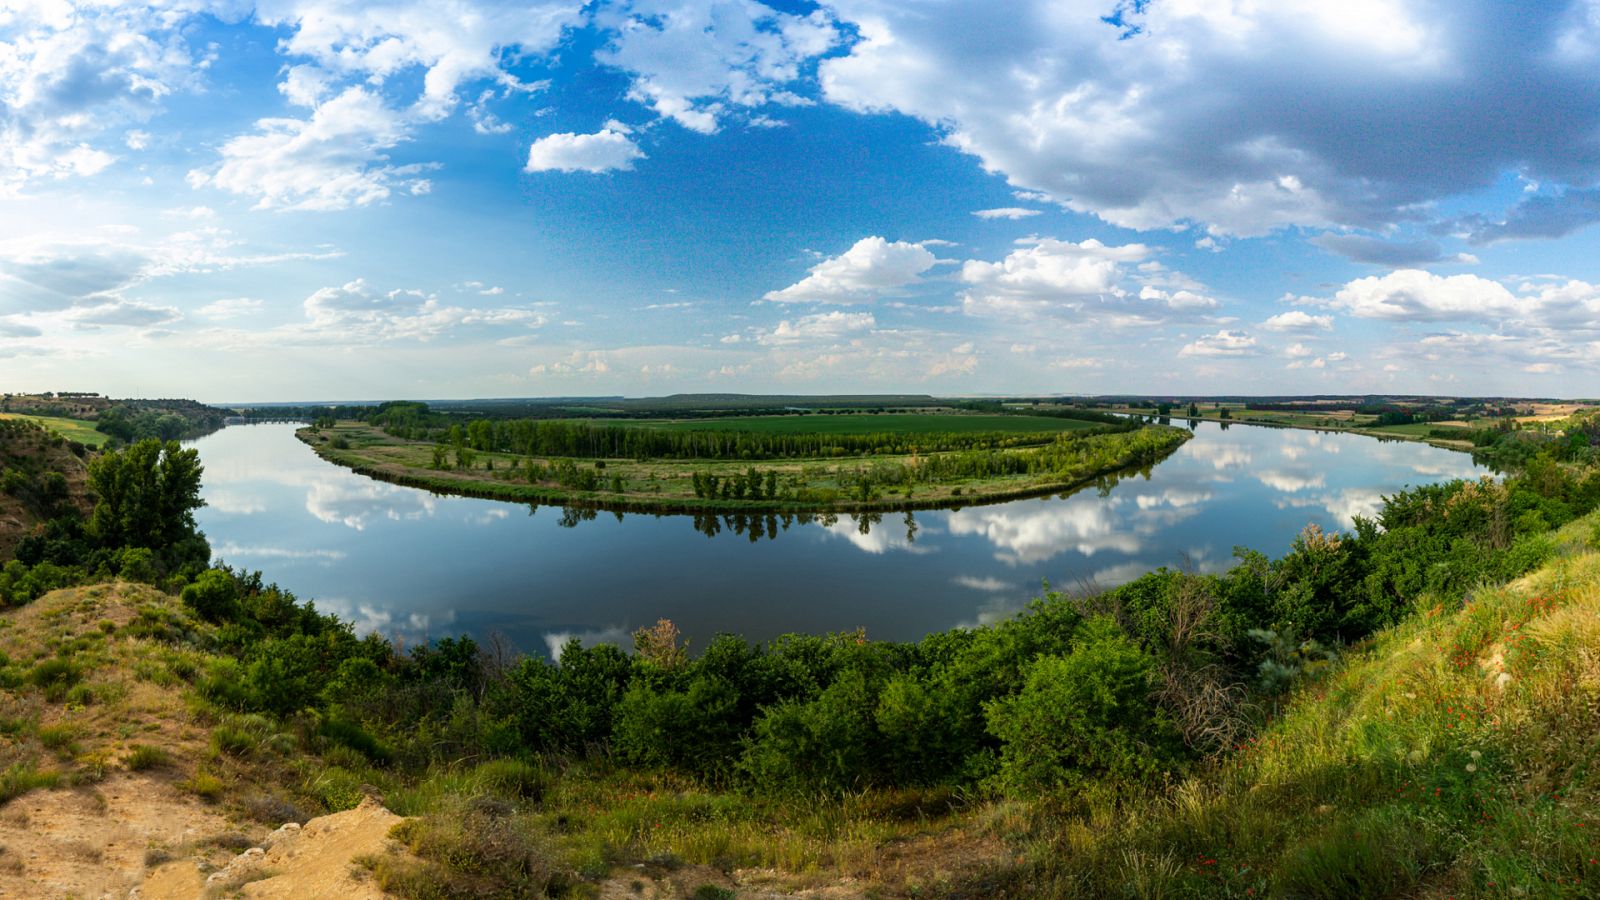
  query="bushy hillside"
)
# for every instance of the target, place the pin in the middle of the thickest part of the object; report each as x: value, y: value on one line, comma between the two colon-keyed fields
x: 1453, y: 755
x: 42, y: 476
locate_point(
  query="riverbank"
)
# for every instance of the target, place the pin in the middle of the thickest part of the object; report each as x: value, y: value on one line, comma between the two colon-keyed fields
x: 1273, y: 420
x: 856, y: 484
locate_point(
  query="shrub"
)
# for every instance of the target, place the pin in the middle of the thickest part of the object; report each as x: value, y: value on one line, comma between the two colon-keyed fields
x: 336, y: 788
x: 214, y: 596
x: 142, y: 757
x: 138, y: 564
x: 55, y: 673
x: 21, y: 778
x: 1083, y: 716
x: 58, y: 738
x: 205, y: 786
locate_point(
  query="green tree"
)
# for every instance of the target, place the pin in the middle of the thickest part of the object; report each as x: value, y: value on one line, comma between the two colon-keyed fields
x: 147, y: 495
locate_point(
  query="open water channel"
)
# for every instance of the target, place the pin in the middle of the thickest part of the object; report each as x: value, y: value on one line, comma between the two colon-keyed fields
x: 414, y: 565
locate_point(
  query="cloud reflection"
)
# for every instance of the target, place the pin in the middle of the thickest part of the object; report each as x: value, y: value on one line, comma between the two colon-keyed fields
x: 879, y: 536
x: 354, y: 504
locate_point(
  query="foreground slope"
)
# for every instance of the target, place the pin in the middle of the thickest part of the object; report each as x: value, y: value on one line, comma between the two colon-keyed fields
x: 1452, y: 756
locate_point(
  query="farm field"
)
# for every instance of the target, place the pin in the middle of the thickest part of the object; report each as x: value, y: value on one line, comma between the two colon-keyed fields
x: 72, y: 429
x: 900, y: 423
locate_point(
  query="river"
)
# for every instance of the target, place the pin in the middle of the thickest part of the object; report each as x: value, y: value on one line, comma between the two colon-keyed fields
x: 414, y: 565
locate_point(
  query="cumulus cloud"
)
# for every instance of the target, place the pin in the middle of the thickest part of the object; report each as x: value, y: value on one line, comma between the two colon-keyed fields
x: 1297, y: 320
x: 1223, y: 343
x: 333, y: 160
x: 870, y: 269
x: 1239, y: 117
x: 691, y: 62
x: 818, y: 328
x: 338, y: 156
x: 73, y: 78
x: 1047, y: 276
x: 604, y: 151
x: 447, y: 44
x: 1419, y: 296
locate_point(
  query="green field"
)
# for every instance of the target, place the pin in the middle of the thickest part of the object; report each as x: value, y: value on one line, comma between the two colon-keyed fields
x: 1415, y: 429
x: 900, y: 423
x: 72, y: 429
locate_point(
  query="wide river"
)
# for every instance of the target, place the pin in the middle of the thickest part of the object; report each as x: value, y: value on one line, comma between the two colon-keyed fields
x: 414, y: 565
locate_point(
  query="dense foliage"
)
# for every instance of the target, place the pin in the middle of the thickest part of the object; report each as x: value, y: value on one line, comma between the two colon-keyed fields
x: 1097, y: 689
x: 590, y: 440
x: 142, y: 526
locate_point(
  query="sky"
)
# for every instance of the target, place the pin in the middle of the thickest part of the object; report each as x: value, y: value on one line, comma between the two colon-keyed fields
x: 332, y: 199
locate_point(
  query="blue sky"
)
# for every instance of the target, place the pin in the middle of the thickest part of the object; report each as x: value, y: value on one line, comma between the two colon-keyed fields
x: 309, y: 199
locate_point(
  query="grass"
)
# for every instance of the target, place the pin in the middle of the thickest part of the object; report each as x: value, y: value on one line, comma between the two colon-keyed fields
x: 80, y: 430
x: 894, y: 423
x: 1450, y: 756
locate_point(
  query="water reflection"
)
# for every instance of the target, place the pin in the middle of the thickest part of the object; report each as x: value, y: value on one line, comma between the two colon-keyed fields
x: 411, y: 564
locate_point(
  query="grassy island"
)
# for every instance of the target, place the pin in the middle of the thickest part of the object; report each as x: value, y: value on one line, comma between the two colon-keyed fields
x: 754, y: 464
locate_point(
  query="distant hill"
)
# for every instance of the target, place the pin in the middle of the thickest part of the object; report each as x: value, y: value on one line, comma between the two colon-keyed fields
x: 127, y: 420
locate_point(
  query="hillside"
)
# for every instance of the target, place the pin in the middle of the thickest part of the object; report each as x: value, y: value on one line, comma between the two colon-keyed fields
x: 1450, y: 755
x: 30, y: 458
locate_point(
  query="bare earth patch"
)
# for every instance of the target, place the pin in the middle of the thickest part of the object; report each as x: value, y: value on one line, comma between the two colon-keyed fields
x: 95, y: 841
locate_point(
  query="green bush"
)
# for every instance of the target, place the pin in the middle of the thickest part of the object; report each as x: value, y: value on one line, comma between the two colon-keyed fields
x: 1087, y: 715
x: 214, y: 596
x: 55, y: 673
x: 142, y: 757
x: 336, y: 788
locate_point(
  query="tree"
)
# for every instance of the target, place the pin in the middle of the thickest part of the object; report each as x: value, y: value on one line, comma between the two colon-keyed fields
x: 147, y: 495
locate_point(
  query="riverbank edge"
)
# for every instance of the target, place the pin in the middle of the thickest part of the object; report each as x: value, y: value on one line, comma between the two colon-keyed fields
x: 1441, y: 443
x: 511, y: 492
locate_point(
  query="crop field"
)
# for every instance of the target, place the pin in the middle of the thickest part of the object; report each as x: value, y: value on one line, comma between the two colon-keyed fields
x: 72, y: 429
x: 900, y: 423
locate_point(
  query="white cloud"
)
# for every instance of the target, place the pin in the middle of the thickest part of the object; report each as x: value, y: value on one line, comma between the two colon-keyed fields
x: 1298, y: 351
x: 870, y: 269
x: 604, y: 151
x: 1297, y: 320
x: 334, y: 160
x: 1242, y: 117
x: 818, y: 328
x: 356, y: 313
x: 1418, y: 296
x: 1223, y: 343
x: 1178, y: 300
x: 1006, y: 212
x: 1046, y: 276
x: 338, y: 157
x: 449, y: 43
x: 74, y: 76
x: 691, y: 62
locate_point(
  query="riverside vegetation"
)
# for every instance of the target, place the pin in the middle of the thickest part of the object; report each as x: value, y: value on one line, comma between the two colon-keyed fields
x: 762, y: 464
x: 1404, y: 710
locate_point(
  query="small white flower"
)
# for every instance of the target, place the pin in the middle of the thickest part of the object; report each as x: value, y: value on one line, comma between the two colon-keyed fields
x: 1476, y: 756
x: 1471, y: 767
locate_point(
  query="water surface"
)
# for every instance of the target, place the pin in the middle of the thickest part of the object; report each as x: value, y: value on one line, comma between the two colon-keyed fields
x: 414, y: 565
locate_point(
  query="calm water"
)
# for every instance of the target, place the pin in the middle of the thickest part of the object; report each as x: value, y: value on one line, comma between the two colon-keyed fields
x: 411, y: 564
